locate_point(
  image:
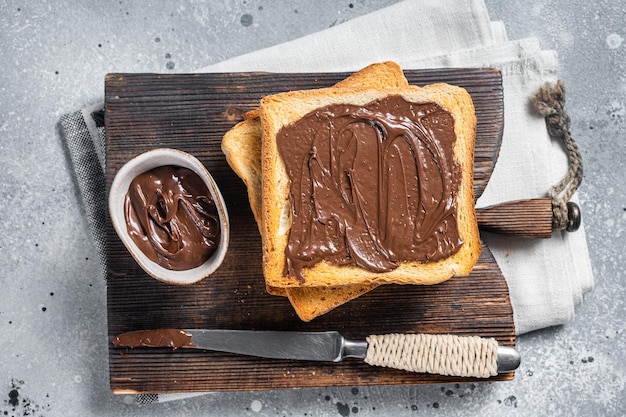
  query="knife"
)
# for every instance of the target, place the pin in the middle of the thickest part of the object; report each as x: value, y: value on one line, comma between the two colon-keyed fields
x: 465, y: 356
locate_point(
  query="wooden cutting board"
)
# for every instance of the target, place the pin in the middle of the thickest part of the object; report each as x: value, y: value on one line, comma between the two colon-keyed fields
x: 192, y: 112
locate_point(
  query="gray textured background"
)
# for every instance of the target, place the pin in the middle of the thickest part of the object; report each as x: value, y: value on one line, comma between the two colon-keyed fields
x: 53, y: 58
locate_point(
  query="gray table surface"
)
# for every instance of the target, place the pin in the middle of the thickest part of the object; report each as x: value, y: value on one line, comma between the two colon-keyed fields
x: 53, y: 57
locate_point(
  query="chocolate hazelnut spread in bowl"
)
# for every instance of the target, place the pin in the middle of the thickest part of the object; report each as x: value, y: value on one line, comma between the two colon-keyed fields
x: 170, y: 215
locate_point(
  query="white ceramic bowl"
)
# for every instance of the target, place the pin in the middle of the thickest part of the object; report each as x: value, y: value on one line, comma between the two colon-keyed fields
x: 145, y: 162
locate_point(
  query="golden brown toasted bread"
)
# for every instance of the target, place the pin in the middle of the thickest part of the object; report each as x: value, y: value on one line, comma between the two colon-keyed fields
x: 242, y: 147
x: 281, y: 110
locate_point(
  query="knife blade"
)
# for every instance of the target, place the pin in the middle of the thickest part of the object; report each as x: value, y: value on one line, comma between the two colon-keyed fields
x: 470, y: 356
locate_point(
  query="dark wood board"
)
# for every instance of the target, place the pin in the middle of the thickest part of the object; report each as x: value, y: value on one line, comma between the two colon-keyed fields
x: 192, y: 112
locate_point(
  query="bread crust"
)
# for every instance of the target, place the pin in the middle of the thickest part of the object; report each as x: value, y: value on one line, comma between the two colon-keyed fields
x: 242, y: 146
x: 283, y: 109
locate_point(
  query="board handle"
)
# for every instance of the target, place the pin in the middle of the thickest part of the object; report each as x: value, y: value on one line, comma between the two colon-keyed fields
x: 443, y: 354
x: 531, y: 218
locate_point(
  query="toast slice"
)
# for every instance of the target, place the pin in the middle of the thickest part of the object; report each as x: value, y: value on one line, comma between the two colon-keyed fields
x: 242, y: 147
x: 283, y: 110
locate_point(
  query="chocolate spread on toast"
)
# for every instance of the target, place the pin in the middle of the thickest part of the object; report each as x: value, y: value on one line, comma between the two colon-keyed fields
x: 371, y: 185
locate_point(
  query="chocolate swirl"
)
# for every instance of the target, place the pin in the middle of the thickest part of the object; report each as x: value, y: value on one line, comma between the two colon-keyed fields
x: 171, y: 216
x: 371, y: 185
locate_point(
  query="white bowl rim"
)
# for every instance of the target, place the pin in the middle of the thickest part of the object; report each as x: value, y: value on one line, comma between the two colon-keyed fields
x: 119, y: 187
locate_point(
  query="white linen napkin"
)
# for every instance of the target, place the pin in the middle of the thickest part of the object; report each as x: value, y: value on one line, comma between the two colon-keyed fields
x: 546, y: 277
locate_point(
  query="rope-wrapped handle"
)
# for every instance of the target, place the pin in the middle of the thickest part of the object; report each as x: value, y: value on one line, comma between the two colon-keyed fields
x: 465, y: 356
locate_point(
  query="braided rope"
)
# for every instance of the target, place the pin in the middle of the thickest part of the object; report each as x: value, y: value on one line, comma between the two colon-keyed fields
x: 471, y: 356
x: 549, y: 101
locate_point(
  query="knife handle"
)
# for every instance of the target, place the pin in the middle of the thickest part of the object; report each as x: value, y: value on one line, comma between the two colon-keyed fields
x: 530, y: 218
x: 464, y: 356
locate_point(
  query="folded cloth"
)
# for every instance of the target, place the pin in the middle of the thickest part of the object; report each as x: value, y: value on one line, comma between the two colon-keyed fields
x: 546, y: 277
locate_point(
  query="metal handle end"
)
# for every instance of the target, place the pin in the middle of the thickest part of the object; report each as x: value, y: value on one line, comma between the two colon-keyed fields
x: 508, y: 360
x: 573, y: 217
